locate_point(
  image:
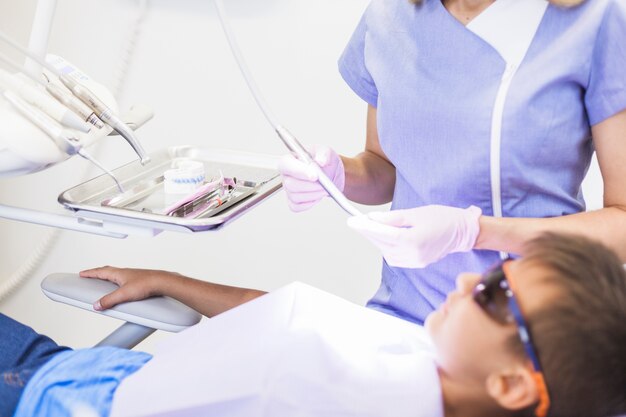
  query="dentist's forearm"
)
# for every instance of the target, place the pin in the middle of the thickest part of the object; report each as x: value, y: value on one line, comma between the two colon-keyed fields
x: 370, y: 176
x: 607, y: 225
x: 207, y: 298
x: 370, y: 179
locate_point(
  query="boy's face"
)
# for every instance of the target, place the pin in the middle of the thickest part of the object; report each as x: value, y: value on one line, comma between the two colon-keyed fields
x: 470, y: 344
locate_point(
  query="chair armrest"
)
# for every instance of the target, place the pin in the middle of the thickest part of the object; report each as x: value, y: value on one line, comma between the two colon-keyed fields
x: 162, y: 313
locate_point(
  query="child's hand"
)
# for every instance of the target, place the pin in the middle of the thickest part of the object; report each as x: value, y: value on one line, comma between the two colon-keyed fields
x: 135, y: 284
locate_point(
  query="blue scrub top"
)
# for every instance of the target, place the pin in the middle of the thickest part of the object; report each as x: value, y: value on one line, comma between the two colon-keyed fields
x: 434, y: 83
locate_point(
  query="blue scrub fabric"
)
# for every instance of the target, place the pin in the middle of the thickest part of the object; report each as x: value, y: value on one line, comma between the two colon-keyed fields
x: 434, y: 84
x: 22, y: 353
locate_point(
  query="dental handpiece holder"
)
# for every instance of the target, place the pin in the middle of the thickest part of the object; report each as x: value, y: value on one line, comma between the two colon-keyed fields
x: 35, y: 135
x: 36, y: 131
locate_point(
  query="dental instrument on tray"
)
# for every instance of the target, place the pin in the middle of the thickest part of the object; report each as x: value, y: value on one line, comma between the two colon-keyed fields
x: 290, y: 141
x: 183, y: 199
x: 187, y: 194
x: 208, y: 196
x: 101, y: 110
x: 203, y: 204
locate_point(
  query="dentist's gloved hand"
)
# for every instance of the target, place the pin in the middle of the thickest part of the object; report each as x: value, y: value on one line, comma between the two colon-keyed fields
x: 300, y: 180
x: 417, y: 237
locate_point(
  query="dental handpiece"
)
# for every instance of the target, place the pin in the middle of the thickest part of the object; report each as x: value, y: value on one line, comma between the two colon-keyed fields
x: 105, y: 114
x: 300, y: 152
x: 74, y: 104
x: 290, y: 141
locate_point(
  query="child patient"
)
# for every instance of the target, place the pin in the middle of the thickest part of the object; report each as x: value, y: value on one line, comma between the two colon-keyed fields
x: 544, y: 335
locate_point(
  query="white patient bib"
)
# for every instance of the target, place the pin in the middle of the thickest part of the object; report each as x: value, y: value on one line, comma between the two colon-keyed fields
x: 295, y: 352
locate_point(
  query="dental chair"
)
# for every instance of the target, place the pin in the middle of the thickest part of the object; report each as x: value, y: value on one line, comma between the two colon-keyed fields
x: 142, y: 318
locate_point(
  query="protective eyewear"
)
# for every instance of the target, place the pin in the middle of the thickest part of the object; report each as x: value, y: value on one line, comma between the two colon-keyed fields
x: 494, y: 294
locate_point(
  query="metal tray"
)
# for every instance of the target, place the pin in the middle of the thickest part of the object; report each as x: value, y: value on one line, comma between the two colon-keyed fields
x: 253, y: 178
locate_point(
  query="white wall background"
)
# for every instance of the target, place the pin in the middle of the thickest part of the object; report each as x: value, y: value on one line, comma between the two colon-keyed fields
x: 183, y: 69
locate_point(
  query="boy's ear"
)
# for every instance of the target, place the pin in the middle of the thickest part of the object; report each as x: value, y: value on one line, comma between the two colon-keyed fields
x: 513, y: 388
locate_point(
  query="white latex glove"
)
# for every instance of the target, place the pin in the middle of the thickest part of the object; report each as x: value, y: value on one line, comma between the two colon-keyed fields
x: 300, y: 180
x: 415, y: 238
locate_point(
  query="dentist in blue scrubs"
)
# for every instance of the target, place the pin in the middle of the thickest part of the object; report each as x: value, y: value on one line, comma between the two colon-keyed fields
x: 482, y: 120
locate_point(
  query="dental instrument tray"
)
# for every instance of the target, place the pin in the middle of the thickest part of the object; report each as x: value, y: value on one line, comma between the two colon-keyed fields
x: 231, y: 184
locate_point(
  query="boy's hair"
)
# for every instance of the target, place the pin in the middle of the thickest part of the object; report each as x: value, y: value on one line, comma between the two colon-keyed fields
x: 580, y: 335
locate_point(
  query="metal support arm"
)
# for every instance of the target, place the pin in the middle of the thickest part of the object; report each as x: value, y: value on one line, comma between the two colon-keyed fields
x: 61, y: 221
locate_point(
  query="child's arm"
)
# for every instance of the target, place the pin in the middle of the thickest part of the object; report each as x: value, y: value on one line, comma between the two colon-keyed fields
x: 137, y: 284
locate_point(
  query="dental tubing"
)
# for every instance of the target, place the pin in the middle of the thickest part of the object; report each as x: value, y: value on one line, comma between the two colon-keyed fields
x: 286, y: 137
